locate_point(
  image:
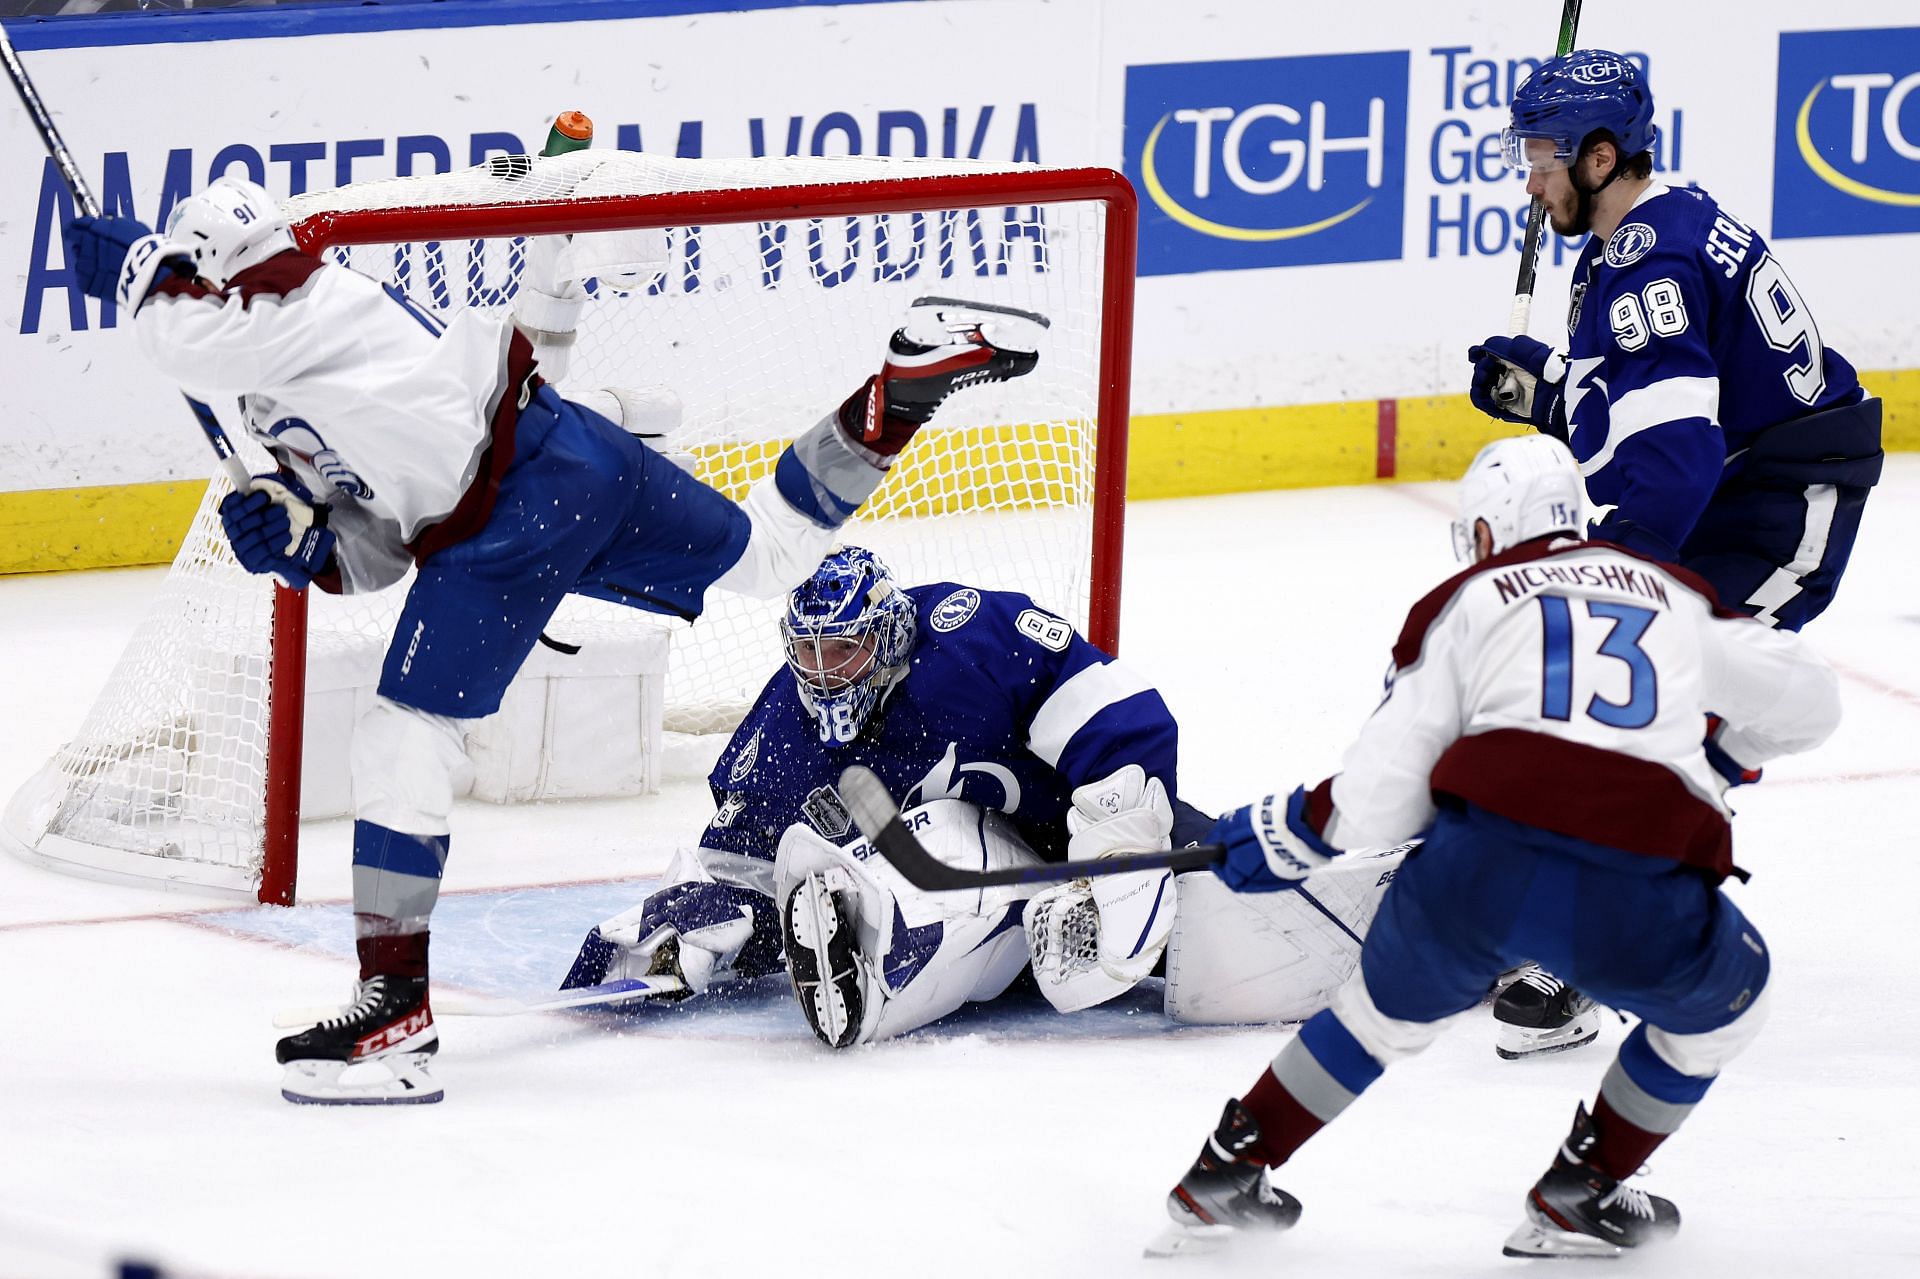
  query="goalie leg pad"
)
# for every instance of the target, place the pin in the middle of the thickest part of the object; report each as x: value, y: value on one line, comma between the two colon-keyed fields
x: 1242, y: 958
x: 922, y: 955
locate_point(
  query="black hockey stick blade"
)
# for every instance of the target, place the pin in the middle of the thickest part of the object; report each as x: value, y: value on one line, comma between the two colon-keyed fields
x: 879, y: 820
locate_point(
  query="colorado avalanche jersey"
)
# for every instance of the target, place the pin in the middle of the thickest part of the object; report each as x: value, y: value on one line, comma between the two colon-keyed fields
x: 1003, y: 705
x: 385, y: 414
x: 1565, y: 685
x: 1686, y: 340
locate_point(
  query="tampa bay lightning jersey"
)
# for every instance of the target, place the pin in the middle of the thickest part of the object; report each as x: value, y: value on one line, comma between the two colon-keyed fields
x: 1686, y: 340
x: 1003, y: 705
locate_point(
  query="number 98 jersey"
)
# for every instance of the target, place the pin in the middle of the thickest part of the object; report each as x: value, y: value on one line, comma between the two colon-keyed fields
x: 1687, y: 339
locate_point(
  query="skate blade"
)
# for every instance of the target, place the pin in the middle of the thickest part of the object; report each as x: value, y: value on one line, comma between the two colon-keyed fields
x: 1512, y: 1042
x: 400, y: 1079
x: 1179, y: 1240
x: 1531, y: 1239
x: 933, y: 322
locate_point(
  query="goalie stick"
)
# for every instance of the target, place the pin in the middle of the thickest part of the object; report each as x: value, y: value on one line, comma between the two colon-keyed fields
x: 879, y: 820
x: 83, y: 198
x: 1507, y: 389
x: 613, y: 992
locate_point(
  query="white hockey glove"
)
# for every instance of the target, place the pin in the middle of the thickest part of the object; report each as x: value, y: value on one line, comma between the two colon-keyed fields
x: 1094, y: 939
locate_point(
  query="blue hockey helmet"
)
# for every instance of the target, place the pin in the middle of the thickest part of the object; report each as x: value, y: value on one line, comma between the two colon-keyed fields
x: 848, y: 631
x: 1571, y: 96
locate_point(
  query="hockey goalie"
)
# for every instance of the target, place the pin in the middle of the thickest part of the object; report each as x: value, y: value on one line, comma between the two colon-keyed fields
x: 1014, y: 741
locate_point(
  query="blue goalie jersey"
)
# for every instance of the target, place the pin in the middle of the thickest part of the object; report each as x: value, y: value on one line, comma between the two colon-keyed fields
x: 1687, y: 342
x: 1003, y: 705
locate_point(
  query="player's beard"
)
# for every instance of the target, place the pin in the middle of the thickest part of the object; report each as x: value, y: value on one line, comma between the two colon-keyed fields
x: 1575, y: 215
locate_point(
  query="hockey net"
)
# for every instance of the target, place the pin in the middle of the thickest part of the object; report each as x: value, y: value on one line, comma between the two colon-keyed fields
x: 780, y: 282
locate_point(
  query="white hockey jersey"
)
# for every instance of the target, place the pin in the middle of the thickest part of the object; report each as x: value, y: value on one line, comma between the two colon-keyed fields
x: 1565, y: 685
x: 387, y: 416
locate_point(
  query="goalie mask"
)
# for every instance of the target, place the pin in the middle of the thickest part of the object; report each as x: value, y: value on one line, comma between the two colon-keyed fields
x: 848, y: 631
x: 1524, y: 487
x: 230, y: 226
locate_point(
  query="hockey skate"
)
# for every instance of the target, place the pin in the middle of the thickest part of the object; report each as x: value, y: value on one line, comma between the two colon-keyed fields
x: 946, y: 345
x: 1538, y: 1013
x: 1578, y: 1211
x: 823, y: 956
x: 1226, y: 1192
x: 374, y: 1053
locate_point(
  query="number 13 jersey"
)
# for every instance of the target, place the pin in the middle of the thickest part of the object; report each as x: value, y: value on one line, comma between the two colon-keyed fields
x: 1565, y: 685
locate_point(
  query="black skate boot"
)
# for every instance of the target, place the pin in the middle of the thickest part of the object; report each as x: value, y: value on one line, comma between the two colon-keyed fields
x: 373, y: 1053
x: 946, y: 346
x: 1227, y: 1190
x: 823, y: 957
x: 1539, y: 1013
x: 1578, y: 1211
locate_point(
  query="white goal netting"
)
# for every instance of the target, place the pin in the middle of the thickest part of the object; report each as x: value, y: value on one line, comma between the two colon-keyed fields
x: 742, y: 334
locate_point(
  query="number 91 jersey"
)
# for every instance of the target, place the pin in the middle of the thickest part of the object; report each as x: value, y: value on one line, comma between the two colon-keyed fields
x: 1686, y: 340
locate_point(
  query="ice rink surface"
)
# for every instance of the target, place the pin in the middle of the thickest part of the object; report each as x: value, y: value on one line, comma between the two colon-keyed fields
x: 140, y: 1113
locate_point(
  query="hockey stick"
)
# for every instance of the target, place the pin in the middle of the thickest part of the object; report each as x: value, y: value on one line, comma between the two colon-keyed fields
x: 1507, y: 389
x: 83, y: 197
x: 879, y: 820
x: 613, y: 992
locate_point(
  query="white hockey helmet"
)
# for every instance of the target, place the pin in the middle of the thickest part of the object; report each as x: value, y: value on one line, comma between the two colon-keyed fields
x: 1523, y: 487
x: 231, y: 225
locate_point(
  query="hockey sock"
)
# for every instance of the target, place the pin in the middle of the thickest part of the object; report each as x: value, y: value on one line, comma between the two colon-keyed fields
x: 396, y: 876
x: 1619, y: 1147
x: 1322, y: 1072
x: 388, y: 953
x: 1285, y: 1125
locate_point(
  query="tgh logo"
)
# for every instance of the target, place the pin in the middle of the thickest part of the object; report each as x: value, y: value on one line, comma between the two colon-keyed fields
x: 1847, y: 133
x: 1268, y: 162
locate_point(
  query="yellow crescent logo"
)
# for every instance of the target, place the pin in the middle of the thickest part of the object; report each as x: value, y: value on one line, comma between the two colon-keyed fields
x: 1832, y: 176
x: 1194, y: 222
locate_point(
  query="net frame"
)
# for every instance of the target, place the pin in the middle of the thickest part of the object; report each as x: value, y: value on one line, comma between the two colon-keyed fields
x: 870, y: 189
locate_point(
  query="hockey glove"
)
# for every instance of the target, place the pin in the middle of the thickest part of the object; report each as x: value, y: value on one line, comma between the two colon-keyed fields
x: 1269, y: 845
x: 1731, y: 770
x: 1538, y: 371
x: 697, y: 930
x: 275, y: 527
x: 97, y: 247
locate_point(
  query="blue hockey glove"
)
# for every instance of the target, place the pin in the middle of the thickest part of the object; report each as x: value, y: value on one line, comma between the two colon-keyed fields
x: 277, y: 528
x: 1731, y: 770
x: 1269, y: 845
x: 1538, y: 379
x: 97, y: 247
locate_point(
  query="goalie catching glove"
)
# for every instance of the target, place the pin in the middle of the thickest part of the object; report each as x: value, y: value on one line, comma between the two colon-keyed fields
x: 276, y: 527
x: 1270, y: 845
x: 1093, y: 939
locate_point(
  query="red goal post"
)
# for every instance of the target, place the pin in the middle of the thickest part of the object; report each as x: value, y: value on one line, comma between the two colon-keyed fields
x: 944, y: 203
